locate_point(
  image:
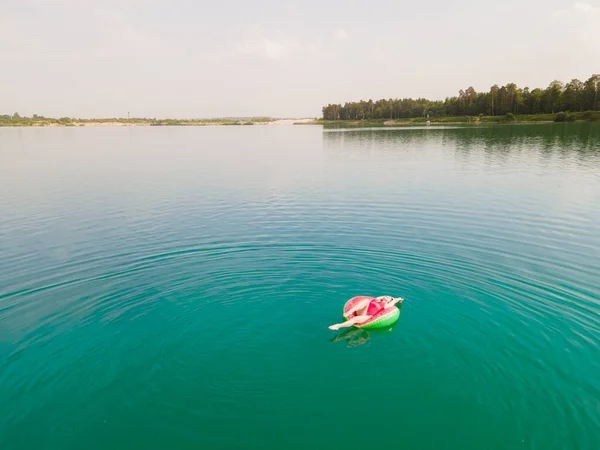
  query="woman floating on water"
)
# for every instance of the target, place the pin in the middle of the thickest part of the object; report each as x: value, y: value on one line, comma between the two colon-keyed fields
x: 364, y: 309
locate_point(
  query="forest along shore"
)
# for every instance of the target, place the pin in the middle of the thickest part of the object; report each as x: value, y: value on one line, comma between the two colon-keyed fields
x: 575, y: 100
x: 586, y: 116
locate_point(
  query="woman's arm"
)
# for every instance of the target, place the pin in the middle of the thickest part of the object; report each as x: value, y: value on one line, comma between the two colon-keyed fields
x: 393, y: 301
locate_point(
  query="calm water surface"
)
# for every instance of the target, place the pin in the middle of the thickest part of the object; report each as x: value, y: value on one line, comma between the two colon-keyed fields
x: 171, y: 288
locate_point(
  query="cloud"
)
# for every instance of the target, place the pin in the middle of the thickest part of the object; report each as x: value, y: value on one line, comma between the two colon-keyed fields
x: 117, y: 34
x: 341, y: 34
x: 582, y: 20
x: 275, y: 46
x: 48, y: 36
x: 264, y: 48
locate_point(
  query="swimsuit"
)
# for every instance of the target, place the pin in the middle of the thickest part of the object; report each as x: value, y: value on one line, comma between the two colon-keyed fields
x: 375, y: 306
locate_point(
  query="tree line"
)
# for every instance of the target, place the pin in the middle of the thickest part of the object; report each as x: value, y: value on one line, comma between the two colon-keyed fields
x: 574, y: 96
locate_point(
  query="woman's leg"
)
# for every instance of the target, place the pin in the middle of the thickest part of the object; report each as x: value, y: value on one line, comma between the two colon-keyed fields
x: 350, y: 322
x: 360, y: 308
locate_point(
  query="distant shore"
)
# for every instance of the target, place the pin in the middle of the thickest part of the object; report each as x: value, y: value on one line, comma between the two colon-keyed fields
x: 37, y: 121
x: 40, y: 121
x: 589, y: 116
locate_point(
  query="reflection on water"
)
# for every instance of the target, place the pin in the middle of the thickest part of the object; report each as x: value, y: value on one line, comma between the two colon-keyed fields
x: 582, y: 138
x: 355, y: 337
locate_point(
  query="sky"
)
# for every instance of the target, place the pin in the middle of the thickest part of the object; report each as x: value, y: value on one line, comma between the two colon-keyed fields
x: 197, y: 59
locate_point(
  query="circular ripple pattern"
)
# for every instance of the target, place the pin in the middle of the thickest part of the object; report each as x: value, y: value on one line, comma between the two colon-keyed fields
x: 172, y: 288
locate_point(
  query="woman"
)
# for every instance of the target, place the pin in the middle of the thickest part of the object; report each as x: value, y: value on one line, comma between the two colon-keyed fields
x: 366, y: 308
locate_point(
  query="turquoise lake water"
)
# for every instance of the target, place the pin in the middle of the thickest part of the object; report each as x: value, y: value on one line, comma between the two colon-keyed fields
x: 171, y: 288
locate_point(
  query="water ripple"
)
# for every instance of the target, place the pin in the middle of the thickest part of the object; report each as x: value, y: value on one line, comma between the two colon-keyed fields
x: 207, y: 297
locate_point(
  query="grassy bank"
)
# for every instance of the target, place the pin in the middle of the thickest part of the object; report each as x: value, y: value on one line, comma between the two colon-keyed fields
x: 463, y: 120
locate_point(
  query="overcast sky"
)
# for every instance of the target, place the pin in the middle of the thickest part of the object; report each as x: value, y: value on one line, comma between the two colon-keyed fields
x: 190, y: 58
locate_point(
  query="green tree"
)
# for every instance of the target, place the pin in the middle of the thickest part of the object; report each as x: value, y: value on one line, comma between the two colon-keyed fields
x: 518, y: 100
x: 471, y: 101
x: 537, y: 103
x: 553, y: 93
x: 493, y: 98
x: 572, y: 96
x: 511, y: 94
x: 592, y: 85
x: 526, y: 101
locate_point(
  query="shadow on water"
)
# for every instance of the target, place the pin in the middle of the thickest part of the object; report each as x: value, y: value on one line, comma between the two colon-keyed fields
x: 355, y: 337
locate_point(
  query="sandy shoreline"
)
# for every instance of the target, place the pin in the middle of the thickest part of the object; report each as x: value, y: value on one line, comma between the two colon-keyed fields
x: 290, y: 121
x: 173, y: 123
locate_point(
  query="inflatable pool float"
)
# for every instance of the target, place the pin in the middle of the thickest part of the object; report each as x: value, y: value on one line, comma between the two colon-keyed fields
x: 383, y: 318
